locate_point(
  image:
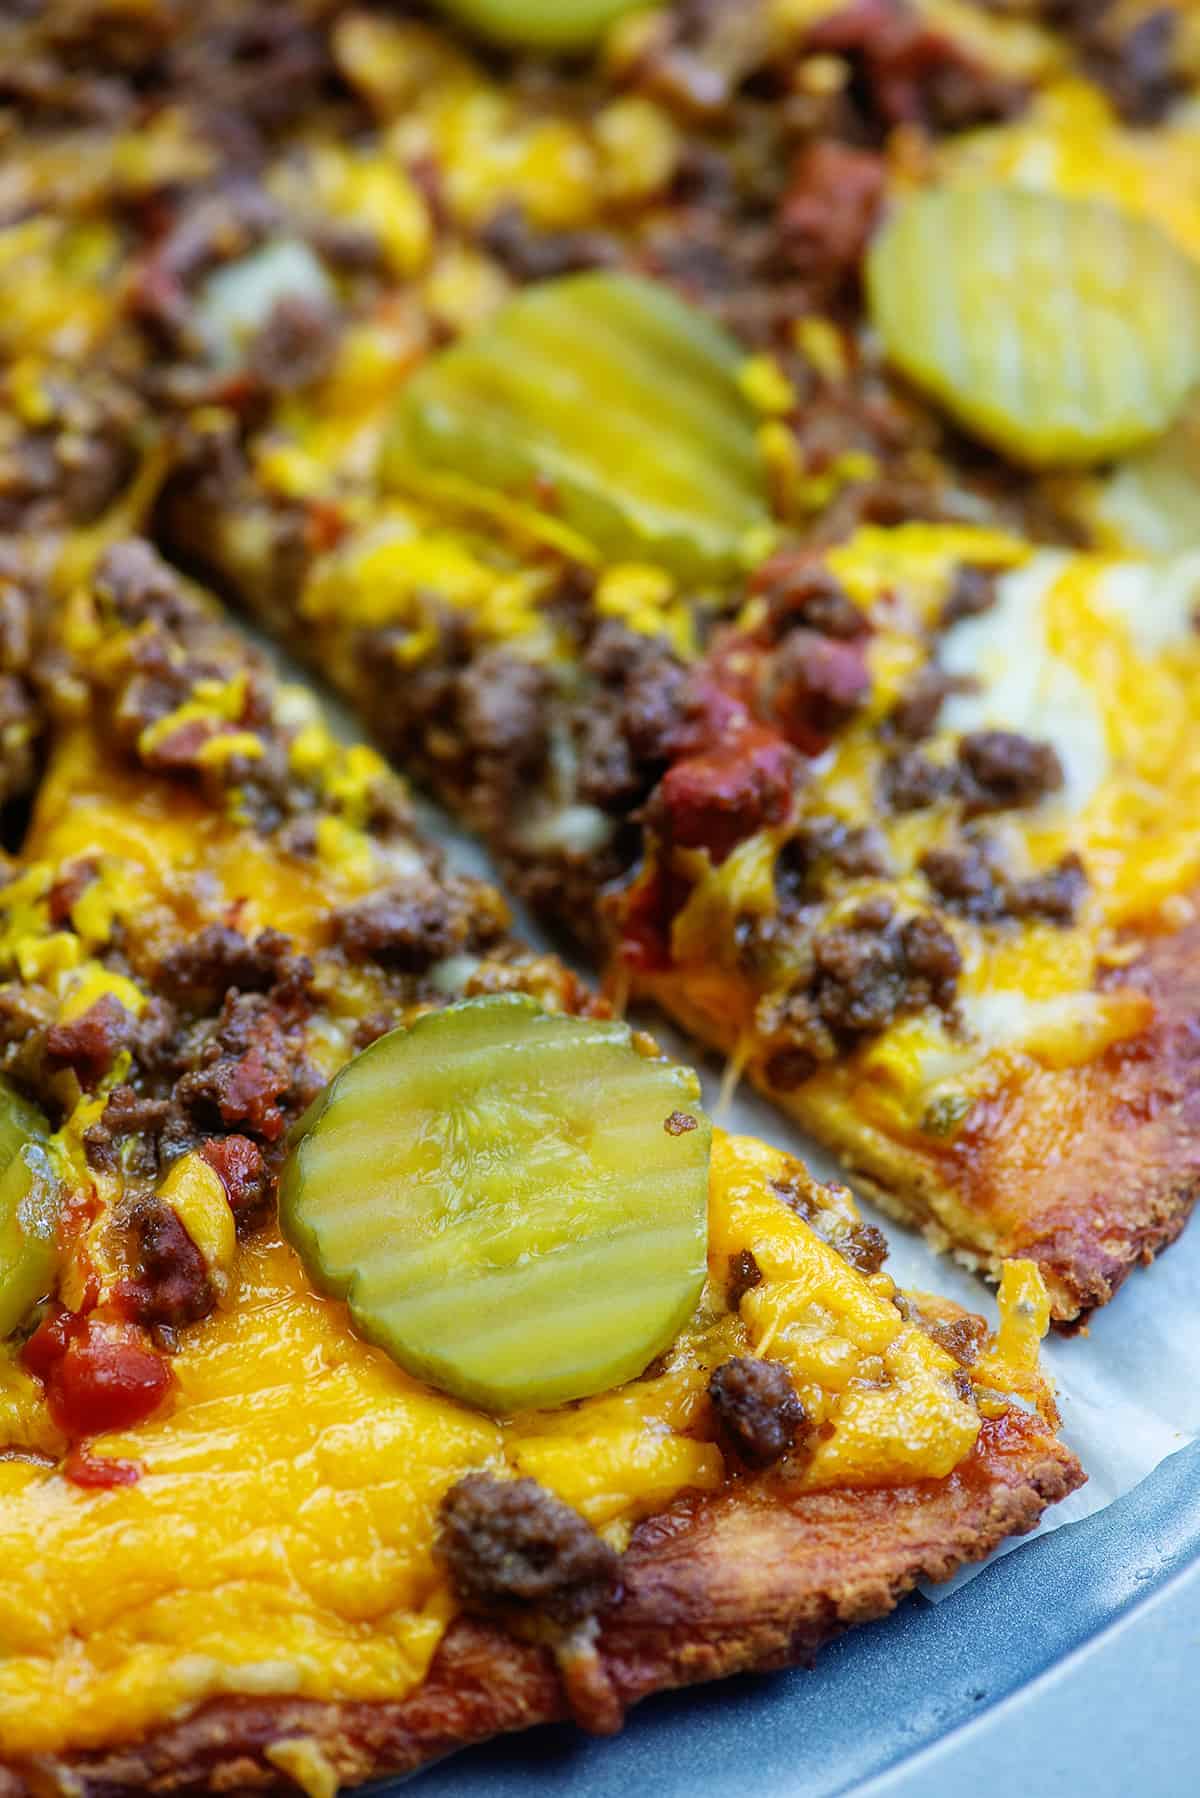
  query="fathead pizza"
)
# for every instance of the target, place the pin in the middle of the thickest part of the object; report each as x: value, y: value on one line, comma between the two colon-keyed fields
x: 240, y: 1544
x: 742, y: 459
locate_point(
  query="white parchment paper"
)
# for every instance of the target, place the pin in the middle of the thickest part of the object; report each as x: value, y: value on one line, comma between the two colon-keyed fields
x: 1129, y: 1390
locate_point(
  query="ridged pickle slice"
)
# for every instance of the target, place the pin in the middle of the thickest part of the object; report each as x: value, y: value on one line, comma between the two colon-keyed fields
x: 497, y: 1195
x: 1063, y: 331
x: 29, y: 1206
x: 540, y: 24
x: 605, y: 398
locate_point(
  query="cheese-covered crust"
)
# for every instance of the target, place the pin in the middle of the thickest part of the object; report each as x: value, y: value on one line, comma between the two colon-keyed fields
x: 712, y: 1587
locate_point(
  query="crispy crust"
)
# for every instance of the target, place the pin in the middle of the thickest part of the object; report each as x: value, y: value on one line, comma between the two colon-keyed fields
x: 1089, y: 1171
x: 712, y: 1587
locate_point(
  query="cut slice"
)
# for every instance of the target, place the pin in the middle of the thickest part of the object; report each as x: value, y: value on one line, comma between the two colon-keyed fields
x: 512, y: 1203
x: 28, y: 1210
x: 607, y: 400
x: 1062, y: 331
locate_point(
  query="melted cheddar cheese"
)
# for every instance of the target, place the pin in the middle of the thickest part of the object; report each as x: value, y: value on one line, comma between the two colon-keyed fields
x: 280, y: 1538
x: 1097, y: 654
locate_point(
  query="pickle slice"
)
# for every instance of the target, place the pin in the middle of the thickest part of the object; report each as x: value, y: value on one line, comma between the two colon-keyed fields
x: 1063, y: 331
x: 497, y: 1195
x: 29, y: 1202
x: 540, y: 24
x: 607, y: 399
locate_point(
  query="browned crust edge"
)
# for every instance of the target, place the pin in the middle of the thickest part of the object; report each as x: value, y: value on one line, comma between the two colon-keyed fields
x: 1089, y: 1171
x: 712, y: 1587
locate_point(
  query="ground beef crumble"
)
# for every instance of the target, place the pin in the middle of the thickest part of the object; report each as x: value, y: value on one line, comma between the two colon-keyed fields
x: 513, y: 1549
x: 861, y: 977
x: 758, y: 1413
x: 1002, y: 770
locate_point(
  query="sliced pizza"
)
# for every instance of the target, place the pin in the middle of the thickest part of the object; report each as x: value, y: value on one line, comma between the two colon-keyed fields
x: 895, y: 813
x: 553, y: 1403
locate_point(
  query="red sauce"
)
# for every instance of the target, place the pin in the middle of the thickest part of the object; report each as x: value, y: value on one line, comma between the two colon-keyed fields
x: 98, y: 1375
x: 83, y: 1468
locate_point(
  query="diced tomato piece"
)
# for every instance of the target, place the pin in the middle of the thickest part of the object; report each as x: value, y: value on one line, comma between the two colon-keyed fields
x: 716, y: 800
x: 98, y: 1376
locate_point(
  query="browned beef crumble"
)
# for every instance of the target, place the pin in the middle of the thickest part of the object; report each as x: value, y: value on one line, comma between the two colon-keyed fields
x: 973, y: 592
x: 915, y: 714
x: 417, y: 924
x: 1131, y: 53
x: 172, y: 1285
x: 244, y: 1173
x: 910, y: 782
x: 822, y: 847
x: 966, y: 880
x: 1055, y: 895
x: 862, y: 1245
x: 200, y: 972
x: 961, y: 1337
x: 969, y: 880
x: 512, y: 1548
x: 862, y: 976
x: 1002, y: 770
x: 800, y: 590
x: 66, y: 471
x: 743, y: 1276
x: 759, y: 1415
x: 529, y: 254
x: 296, y: 345
x: 815, y: 685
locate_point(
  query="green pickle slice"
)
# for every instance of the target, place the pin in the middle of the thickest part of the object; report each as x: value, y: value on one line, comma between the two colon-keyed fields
x: 1063, y: 331
x: 611, y: 401
x: 495, y: 1194
x: 29, y: 1206
x: 540, y: 24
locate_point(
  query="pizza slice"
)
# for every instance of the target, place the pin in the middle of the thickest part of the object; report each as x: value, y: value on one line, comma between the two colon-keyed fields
x: 845, y: 753
x: 243, y: 1546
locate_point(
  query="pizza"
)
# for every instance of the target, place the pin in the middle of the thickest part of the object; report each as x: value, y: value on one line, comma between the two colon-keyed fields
x: 836, y: 688
x: 742, y: 461
x: 241, y: 1543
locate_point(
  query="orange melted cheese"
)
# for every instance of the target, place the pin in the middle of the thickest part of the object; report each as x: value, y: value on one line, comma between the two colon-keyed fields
x: 1098, y: 654
x: 280, y: 1539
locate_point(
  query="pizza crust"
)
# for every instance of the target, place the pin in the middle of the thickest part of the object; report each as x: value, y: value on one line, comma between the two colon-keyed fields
x: 1089, y: 1171
x: 714, y: 1586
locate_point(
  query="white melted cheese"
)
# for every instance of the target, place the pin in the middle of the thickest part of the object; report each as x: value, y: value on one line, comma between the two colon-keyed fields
x: 1157, y: 602
x: 1021, y: 686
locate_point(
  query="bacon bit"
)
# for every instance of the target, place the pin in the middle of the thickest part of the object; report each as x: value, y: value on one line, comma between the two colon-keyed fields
x: 679, y: 1123
x: 816, y: 684
x: 89, y: 1043
x: 643, y: 914
x: 830, y: 207
x: 238, y: 1164
x: 83, y: 1468
x: 714, y: 801
x: 65, y: 891
x: 249, y: 1096
x: 324, y: 525
x: 98, y: 1376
